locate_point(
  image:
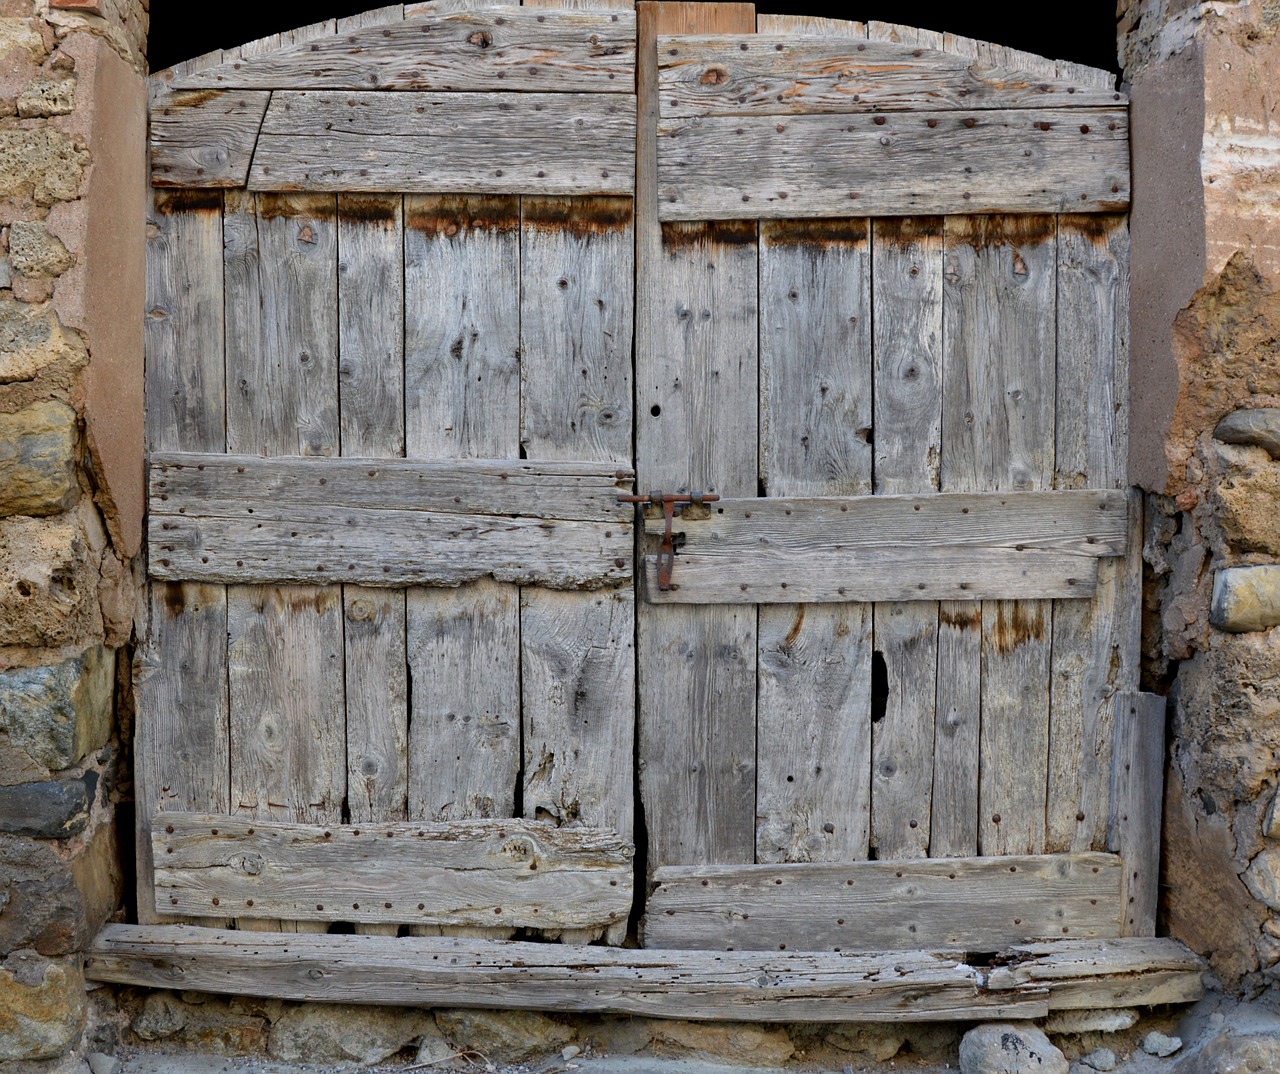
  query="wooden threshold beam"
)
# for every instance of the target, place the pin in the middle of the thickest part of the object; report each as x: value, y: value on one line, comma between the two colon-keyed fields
x: 772, y: 987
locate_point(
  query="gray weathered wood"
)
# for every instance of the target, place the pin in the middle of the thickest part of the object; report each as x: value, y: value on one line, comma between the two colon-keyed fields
x: 1084, y: 974
x: 507, y: 872
x: 998, y: 415
x: 204, y: 138
x: 813, y: 721
x: 775, y: 987
x: 907, y: 275
x: 952, y: 546
x: 953, y: 830
x: 1008, y: 161
x: 489, y: 143
x: 979, y: 904
x: 502, y: 48
x: 696, y: 376
x: 237, y: 486
x: 770, y: 74
x: 1137, y: 792
x: 1091, y: 449
x: 808, y: 24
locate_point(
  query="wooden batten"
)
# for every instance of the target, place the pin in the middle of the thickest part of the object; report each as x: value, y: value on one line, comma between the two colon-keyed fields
x: 913, y: 986
x: 975, y: 904
x: 509, y: 873
x: 1136, y: 795
x: 952, y: 546
x: 204, y: 138
x: 894, y: 164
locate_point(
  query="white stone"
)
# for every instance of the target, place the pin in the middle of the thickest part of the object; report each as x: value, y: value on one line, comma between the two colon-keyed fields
x: 1103, y: 1059
x: 1246, y: 598
x: 101, y: 1063
x: 1158, y: 1044
x: 1009, y: 1048
x: 1262, y: 878
x: 1091, y: 1021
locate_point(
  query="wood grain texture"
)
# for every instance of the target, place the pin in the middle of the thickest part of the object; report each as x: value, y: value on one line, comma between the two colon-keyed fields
x: 813, y: 721
x: 998, y: 415
x: 781, y: 73
x: 893, y: 164
x: 486, y: 48
x: 981, y: 904
x: 958, y: 546
x: 1137, y: 791
x: 1091, y: 449
x: 809, y: 24
x: 509, y: 872
x: 953, y: 829
x: 776, y: 987
x: 202, y: 138
x: 907, y: 275
x: 486, y: 143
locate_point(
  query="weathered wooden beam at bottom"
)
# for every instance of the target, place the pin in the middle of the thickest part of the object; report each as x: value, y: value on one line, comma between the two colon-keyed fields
x: 767, y: 987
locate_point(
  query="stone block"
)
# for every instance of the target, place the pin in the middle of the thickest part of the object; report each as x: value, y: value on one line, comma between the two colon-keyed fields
x: 728, y: 1042
x: 21, y: 34
x: 54, y: 899
x: 32, y: 339
x: 49, y: 576
x: 34, y: 252
x: 1259, y: 427
x: 42, y: 1006
x: 1235, y: 1053
x: 1247, y: 506
x: 50, y: 809
x: 38, y: 460
x: 48, y: 97
x: 43, y: 164
x: 327, y: 1033
x: 1009, y: 1048
x: 503, y: 1036
x: 209, y: 1026
x: 1246, y: 598
x: 1262, y: 878
x: 57, y: 715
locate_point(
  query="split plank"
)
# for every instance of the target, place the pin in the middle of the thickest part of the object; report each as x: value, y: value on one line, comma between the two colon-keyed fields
x: 979, y: 904
x: 486, y: 143
x: 507, y: 873
x: 772, y: 73
x: 813, y: 721
x: 486, y: 48
x: 957, y: 546
x: 894, y: 164
x: 1137, y: 794
x: 204, y: 138
x: 445, y: 972
x: 907, y: 334
x: 236, y: 486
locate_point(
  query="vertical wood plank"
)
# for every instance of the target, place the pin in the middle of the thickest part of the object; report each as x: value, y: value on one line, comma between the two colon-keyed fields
x: 1136, y: 805
x: 371, y: 420
x: 181, y: 742
x: 462, y: 399
x: 577, y: 649
x: 1091, y: 447
x: 813, y: 724
x: 285, y: 648
x: 696, y: 390
x: 999, y: 303
x: 908, y: 417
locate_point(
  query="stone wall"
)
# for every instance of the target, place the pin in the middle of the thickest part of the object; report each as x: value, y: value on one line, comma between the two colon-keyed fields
x: 72, y: 189
x: 1206, y: 447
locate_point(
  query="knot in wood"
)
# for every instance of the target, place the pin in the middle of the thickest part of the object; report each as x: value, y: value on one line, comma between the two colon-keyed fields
x: 251, y: 864
x: 481, y: 39
x: 714, y: 76
x: 519, y: 849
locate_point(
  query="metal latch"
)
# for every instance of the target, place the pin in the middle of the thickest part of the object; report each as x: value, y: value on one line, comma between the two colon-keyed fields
x: 671, y: 504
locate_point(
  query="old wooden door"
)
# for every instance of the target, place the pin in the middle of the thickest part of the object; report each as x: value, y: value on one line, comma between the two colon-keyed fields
x: 425, y: 298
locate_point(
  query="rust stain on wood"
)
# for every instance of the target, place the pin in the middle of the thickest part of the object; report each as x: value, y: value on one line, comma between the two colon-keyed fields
x: 818, y: 234
x: 1098, y: 228
x: 172, y: 202
x: 982, y: 232
x: 678, y: 235
x: 907, y: 230
x: 964, y: 616
x: 369, y: 208
x: 793, y: 635
x: 277, y: 206
x: 453, y: 215
x: 1016, y: 624
x: 579, y: 217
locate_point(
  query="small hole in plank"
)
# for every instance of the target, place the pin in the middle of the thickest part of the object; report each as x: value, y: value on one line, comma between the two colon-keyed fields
x: 879, y: 687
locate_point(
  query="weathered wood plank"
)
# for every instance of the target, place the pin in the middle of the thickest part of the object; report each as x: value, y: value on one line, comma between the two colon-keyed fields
x: 696, y: 376
x: 979, y: 904
x: 1136, y: 795
x: 808, y: 24
x: 1091, y: 451
x: 390, y: 548
x: 379, y: 16
x: 781, y: 73
x: 508, y: 872
x: 907, y: 308
x: 775, y: 987
x: 204, y: 138
x: 891, y: 164
x: 813, y: 722
x: 1083, y: 974
x: 955, y: 546
x: 953, y: 829
x: 999, y: 298
x: 486, y: 48
x: 236, y: 486
x: 487, y: 143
